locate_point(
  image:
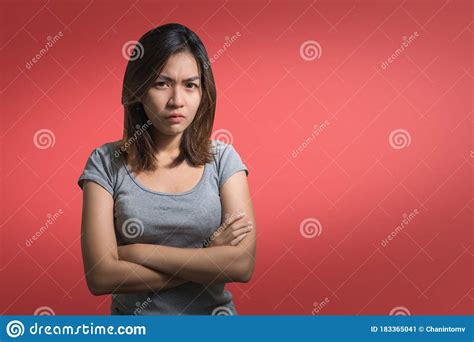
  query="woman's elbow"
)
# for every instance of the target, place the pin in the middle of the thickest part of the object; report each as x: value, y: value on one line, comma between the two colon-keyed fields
x: 245, y: 269
x: 96, y: 291
x: 247, y: 275
x: 244, y: 277
x: 97, y: 286
x: 100, y: 280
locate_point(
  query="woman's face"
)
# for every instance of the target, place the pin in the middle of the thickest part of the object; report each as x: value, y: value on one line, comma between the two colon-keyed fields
x: 177, y: 91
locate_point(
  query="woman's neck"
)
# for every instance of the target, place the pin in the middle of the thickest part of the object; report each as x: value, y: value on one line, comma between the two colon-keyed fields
x: 167, y: 146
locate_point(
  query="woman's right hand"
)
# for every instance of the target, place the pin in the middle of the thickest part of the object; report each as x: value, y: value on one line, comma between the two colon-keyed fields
x: 232, y: 231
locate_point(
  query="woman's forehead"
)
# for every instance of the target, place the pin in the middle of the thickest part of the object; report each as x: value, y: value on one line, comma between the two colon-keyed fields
x: 180, y: 65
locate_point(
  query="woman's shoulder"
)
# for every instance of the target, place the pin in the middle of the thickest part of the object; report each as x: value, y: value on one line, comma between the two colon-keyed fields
x: 220, y: 147
x: 109, y: 147
x: 109, y: 152
x: 228, y: 160
x: 102, y: 166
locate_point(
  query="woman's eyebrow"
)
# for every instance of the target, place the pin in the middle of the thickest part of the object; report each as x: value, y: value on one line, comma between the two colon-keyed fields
x: 186, y: 80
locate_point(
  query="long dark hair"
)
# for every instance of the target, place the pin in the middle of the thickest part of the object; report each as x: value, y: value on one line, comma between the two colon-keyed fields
x: 145, y: 64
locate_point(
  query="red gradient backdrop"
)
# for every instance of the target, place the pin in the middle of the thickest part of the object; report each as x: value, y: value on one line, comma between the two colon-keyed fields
x: 350, y: 175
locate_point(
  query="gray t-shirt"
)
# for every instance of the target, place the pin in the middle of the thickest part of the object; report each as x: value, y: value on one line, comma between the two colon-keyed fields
x: 184, y: 219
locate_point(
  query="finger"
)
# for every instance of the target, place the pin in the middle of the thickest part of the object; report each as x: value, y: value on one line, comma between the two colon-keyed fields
x: 241, y: 224
x: 237, y: 240
x: 241, y: 231
x: 229, y: 232
x: 233, y: 218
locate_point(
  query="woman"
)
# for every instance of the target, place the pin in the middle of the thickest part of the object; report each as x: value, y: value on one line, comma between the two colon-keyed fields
x: 161, y: 229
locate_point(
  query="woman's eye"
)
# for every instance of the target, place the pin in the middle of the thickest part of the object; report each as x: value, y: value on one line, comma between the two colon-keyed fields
x: 160, y: 84
x: 191, y: 85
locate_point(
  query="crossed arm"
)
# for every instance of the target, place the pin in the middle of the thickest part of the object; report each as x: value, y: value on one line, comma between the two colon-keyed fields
x: 147, y: 268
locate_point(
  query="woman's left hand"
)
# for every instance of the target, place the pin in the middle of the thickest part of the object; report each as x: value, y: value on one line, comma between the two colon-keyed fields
x: 125, y: 252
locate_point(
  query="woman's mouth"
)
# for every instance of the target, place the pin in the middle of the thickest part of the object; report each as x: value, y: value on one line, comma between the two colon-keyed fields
x: 175, y: 118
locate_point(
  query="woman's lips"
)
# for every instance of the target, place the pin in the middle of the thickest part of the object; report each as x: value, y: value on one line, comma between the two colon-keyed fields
x: 175, y: 119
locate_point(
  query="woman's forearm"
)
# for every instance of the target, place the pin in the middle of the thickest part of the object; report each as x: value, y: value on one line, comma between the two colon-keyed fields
x: 118, y: 276
x: 201, y: 265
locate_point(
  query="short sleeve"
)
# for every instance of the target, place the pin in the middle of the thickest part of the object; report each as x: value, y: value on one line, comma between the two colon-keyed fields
x: 99, y: 170
x: 229, y: 163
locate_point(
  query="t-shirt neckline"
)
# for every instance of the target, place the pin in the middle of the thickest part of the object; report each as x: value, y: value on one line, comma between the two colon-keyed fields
x: 132, y: 177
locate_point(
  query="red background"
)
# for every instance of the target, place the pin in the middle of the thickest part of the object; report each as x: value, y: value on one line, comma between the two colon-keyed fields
x: 349, y: 177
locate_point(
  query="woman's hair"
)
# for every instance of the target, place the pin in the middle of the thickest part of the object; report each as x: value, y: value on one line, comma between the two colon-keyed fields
x: 145, y: 64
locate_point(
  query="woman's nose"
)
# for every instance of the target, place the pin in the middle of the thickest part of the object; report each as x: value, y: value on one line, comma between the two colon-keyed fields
x: 177, y: 97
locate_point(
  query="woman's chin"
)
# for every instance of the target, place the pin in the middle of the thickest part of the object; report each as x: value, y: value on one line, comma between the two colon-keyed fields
x: 174, y: 130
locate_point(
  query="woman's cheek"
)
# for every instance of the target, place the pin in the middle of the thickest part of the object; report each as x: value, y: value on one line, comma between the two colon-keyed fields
x: 196, y: 100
